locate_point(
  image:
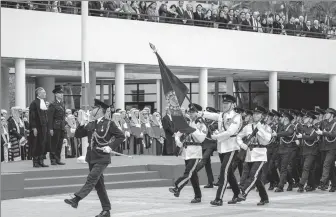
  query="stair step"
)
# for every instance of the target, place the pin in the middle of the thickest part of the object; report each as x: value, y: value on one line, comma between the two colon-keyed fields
x: 57, y: 171
x: 63, y: 189
x: 80, y: 179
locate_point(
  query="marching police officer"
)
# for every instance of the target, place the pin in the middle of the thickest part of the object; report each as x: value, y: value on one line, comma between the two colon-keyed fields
x: 191, y: 145
x: 56, y: 125
x: 105, y: 137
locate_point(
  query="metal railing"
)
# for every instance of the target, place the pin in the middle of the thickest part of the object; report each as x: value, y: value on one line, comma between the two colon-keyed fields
x: 49, y: 7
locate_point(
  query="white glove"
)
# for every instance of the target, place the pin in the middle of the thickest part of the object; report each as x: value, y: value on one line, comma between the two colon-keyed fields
x: 9, y: 145
x: 214, y: 136
x: 178, y: 134
x: 244, y: 146
x: 297, y: 142
x: 299, y: 136
x: 65, y: 142
x: 319, y: 132
x: 72, y: 130
x: 128, y: 134
x: 107, y: 149
x: 23, y: 141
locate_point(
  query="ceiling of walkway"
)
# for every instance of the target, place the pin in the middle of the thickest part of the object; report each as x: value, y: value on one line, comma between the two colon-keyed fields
x: 154, y: 69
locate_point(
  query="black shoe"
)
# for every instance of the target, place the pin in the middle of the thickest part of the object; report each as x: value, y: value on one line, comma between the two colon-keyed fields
x: 296, y: 185
x: 216, y: 184
x: 72, y: 202
x: 216, y: 202
x: 53, y: 163
x: 290, y: 187
x: 262, y: 202
x: 309, y: 188
x: 175, y: 191
x: 332, y: 189
x: 196, y: 200
x: 271, y: 187
x: 41, y: 161
x: 237, y: 199
x: 279, y: 189
x: 209, y: 186
x: 60, y: 163
x: 324, y: 187
x: 105, y: 213
x: 300, y: 190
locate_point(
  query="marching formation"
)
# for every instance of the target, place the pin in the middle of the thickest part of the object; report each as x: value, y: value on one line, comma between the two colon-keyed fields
x: 292, y: 147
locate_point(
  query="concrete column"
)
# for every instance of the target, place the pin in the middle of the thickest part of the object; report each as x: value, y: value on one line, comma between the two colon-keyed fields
x: 203, y: 88
x: 120, y: 86
x: 5, y: 88
x: 85, y: 62
x: 102, y: 90
x: 273, y: 91
x: 332, y: 91
x: 20, y: 83
x: 93, y: 82
x: 229, y: 85
x: 110, y: 94
x: 48, y: 84
x: 158, y: 95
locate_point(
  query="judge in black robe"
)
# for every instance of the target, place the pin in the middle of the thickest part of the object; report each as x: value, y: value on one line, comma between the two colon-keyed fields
x: 38, y: 124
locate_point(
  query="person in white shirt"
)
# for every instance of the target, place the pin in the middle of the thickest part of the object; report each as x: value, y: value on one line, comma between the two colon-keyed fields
x: 259, y: 136
x: 190, y: 144
x: 229, y: 124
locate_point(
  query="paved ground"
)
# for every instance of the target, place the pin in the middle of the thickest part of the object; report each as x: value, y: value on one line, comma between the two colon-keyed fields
x: 158, y: 202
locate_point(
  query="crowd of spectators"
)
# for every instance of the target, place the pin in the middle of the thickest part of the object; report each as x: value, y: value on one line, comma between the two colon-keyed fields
x: 183, y: 12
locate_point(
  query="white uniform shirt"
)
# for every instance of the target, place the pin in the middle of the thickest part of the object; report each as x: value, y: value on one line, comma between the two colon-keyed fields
x: 263, y: 137
x: 228, y: 124
x: 193, y: 151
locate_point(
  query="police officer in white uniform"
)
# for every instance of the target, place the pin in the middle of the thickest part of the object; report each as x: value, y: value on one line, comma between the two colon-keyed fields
x: 229, y: 124
x: 260, y: 136
x: 191, y: 151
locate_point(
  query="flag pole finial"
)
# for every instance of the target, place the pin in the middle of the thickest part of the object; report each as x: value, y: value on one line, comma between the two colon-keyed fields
x: 153, y: 47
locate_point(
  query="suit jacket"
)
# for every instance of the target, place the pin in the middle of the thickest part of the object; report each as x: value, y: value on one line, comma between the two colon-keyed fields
x: 37, y: 117
x: 56, y: 116
x: 198, y: 17
x: 180, y: 12
x: 190, y: 17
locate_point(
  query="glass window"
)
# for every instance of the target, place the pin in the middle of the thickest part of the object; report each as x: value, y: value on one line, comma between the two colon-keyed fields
x: 211, y: 100
x: 188, y: 85
x: 259, y: 86
x: 98, y: 89
x: 211, y: 87
x: 259, y: 99
x: 129, y: 98
x: 185, y: 104
x: 222, y: 87
x: 150, y: 98
x: 106, y: 88
x: 241, y: 86
x: 194, y: 98
x: 194, y: 87
x: 148, y: 88
x: 130, y: 88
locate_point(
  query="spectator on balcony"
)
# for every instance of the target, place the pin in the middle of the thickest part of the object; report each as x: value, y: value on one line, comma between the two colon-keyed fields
x: 198, y: 15
x: 307, y: 29
x: 316, y: 30
x: 128, y: 10
x: 237, y: 16
x: 332, y: 33
x: 259, y: 27
x: 263, y: 23
x: 67, y: 7
x: 135, y: 7
x: 277, y: 25
x: 41, y: 5
x: 151, y: 12
x: 214, y: 14
x: 222, y: 20
x: 143, y: 10
x: 189, y: 15
x: 180, y: 11
x: 207, y: 19
x: 244, y: 23
x: 94, y: 7
x: 301, y: 26
x: 163, y: 12
x: 55, y: 7
x: 254, y: 21
x: 172, y: 13
x: 291, y: 27
x: 112, y: 7
x: 232, y: 20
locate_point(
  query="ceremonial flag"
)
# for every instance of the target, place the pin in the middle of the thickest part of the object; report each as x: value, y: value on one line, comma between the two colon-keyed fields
x: 175, y: 92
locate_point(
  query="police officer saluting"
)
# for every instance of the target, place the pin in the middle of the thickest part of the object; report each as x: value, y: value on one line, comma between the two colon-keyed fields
x: 105, y: 137
x: 56, y: 123
x: 190, y: 142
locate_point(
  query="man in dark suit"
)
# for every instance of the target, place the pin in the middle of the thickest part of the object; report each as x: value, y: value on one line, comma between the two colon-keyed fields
x: 168, y: 126
x: 179, y: 10
x: 105, y: 137
x: 198, y: 15
x: 189, y: 15
x: 56, y: 123
x: 38, y: 123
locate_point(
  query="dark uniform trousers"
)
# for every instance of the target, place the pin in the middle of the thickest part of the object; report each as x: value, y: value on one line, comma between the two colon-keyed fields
x: 308, y: 169
x: 190, y: 173
x: 238, y: 163
x: 328, y: 160
x: 254, y: 179
x: 227, y: 175
x: 206, y: 162
x: 269, y: 171
x: 294, y: 165
x: 95, y: 180
x: 56, y: 144
x: 244, y: 176
x: 283, y: 161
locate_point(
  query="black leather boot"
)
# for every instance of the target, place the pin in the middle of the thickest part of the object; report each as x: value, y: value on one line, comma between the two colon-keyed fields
x: 73, y: 201
x: 35, y: 162
x: 209, y: 186
x: 105, y: 213
x: 196, y: 200
x: 290, y: 187
x: 301, y: 189
x: 217, y: 202
x: 41, y: 161
x: 175, y: 191
x: 263, y: 202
